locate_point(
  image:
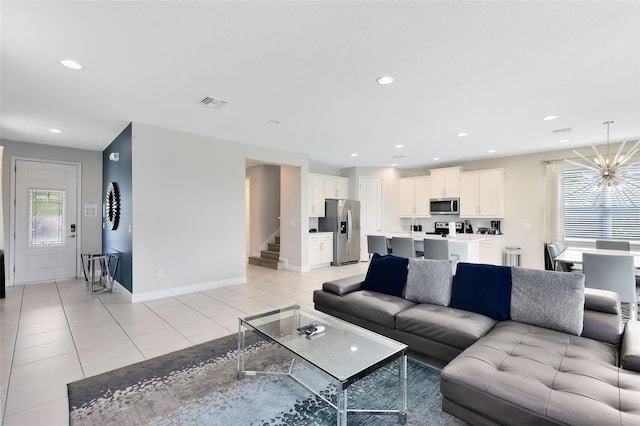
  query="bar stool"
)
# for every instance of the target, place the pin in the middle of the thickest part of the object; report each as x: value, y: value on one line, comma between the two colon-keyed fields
x: 403, y: 247
x: 377, y: 244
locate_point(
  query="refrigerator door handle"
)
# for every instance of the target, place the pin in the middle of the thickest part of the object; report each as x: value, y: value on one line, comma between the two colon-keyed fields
x: 349, y: 224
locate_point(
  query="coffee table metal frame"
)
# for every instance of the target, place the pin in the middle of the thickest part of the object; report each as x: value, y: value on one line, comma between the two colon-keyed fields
x: 325, y: 352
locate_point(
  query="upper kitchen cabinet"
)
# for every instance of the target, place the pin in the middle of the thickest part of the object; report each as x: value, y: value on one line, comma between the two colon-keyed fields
x: 336, y: 187
x: 445, y: 183
x: 482, y: 194
x: 414, y: 196
x: 322, y: 187
x: 316, y: 195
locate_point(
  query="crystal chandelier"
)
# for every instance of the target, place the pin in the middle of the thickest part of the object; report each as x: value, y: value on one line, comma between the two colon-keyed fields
x: 609, y: 176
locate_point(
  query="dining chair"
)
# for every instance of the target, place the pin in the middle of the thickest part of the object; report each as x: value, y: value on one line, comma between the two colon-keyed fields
x: 614, y: 273
x: 377, y: 244
x: 554, y: 251
x: 613, y: 245
x: 403, y: 247
x: 562, y: 246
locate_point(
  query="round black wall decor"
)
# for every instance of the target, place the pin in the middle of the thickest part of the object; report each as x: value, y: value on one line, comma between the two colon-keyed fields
x: 113, y: 206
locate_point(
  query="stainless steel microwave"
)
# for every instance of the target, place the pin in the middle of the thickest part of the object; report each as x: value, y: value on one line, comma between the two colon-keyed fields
x: 445, y: 206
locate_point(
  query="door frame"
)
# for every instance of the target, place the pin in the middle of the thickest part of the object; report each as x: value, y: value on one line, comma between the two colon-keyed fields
x: 12, y: 214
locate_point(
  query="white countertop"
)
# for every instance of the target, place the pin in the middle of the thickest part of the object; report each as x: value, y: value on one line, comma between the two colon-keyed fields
x: 458, y: 237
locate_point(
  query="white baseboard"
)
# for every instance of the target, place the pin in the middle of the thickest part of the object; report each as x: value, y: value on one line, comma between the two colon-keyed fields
x: 320, y: 265
x: 177, y: 291
x: 296, y: 268
x: 119, y: 288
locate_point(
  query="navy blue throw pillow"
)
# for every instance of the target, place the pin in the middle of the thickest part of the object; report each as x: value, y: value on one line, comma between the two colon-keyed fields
x: 386, y: 274
x: 483, y: 289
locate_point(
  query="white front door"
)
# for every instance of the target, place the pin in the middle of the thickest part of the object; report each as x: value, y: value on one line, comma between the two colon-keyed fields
x: 45, y: 221
x: 370, y: 197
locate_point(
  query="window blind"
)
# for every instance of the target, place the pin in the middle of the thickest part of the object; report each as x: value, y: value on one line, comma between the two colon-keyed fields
x: 610, y: 219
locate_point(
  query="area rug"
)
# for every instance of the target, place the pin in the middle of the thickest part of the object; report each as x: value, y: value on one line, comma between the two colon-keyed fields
x: 199, y: 386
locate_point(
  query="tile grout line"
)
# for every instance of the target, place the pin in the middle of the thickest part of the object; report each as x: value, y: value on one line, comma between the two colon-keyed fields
x: 193, y: 309
x: 70, y: 331
x: 13, y: 354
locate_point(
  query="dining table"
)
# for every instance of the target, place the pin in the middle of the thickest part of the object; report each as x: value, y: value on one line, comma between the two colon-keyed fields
x: 574, y: 255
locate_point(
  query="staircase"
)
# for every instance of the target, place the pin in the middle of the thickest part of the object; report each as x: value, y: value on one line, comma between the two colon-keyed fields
x: 269, y: 258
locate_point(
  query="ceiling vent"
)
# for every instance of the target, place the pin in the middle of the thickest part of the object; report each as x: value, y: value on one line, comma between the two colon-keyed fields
x: 565, y: 130
x: 213, y: 102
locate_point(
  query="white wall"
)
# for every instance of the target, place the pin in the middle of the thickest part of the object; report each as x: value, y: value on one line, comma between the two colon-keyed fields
x: 189, y: 210
x: 294, y: 250
x: 91, y: 191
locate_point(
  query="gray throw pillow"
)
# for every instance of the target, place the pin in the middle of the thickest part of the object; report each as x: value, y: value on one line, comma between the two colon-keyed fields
x: 548, y: 299
x: 429, y: 281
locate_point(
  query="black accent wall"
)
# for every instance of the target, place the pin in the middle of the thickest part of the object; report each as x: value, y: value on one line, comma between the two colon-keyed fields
x: 120, y: 239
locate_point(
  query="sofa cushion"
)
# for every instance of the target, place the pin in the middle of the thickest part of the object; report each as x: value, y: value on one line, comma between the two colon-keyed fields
x: 429, y: 281
x: 523, y: 374
x: 386, y: 274
x: 603, y: 327
x: 630, y: 350
x: 453, y: 327
x: 483, y: 289
x: 548, y: 299
x: 372, y: 306
x: 344, y: 285
x: 599, y: 300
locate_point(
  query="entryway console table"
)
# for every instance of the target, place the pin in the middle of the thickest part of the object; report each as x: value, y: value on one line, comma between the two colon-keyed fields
x: 106, y: 262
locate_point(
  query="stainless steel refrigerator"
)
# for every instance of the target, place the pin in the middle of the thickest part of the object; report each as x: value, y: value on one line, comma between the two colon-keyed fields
x: 342, y: 217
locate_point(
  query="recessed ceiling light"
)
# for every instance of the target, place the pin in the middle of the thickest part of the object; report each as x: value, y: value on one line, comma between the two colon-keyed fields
x: 563, y: 140
x: 491, y: 151
x: 549, y: 117
x: 55, y: 130
x: 71, y: 64
x: 436, y: 158
x: 274, y: 122
x: 394, y: 164
x: 399, y: 146
x: 385, y: 79
x: 354, y: 155
x: 462, y: 134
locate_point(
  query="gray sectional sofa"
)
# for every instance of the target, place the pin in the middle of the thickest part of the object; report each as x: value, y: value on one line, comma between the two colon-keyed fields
x: 550, y: 352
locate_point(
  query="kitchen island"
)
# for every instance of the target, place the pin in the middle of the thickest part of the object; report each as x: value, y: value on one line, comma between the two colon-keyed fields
x: 466, y: 248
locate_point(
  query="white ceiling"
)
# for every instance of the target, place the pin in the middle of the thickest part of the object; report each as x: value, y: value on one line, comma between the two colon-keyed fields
x: 491, y: 69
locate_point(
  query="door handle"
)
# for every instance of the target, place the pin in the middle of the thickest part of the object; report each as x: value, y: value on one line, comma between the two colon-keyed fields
x: 72, y: 236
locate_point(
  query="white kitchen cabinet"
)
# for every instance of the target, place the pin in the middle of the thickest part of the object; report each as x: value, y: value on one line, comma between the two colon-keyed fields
x: 482, y: 194
x: 322, y: 187
x: 445, y: 183
x: 491, y: 250
x: 316, y: 195
x: 320, y: 249
x: 336, y: 187
x: 414, y: 196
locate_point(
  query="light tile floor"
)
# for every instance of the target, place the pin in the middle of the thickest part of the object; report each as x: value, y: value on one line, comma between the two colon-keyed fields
x: 58, y: 332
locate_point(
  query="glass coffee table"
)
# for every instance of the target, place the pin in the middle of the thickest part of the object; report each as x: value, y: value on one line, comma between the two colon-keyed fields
x: 344, y: 352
